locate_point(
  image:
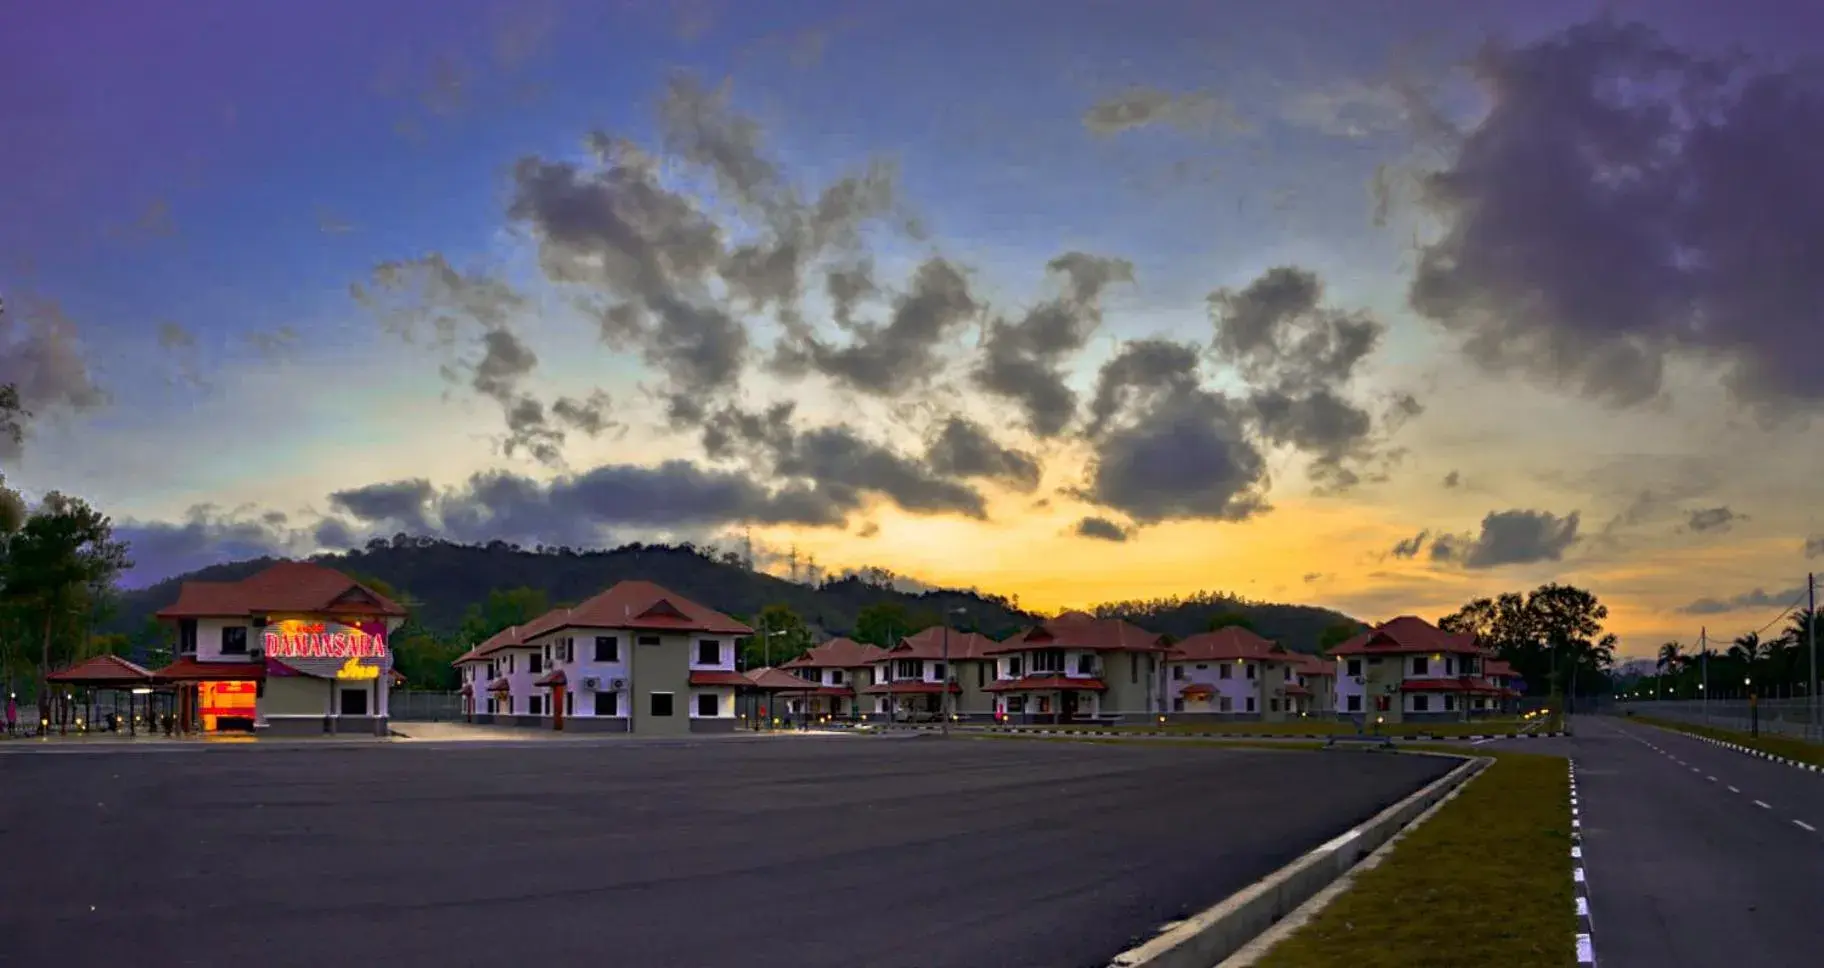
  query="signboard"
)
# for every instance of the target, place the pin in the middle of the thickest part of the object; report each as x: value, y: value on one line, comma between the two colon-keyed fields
x: 355, y: 670
x: 321, y: 639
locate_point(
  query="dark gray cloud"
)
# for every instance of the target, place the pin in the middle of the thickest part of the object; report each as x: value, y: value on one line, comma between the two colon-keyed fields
x: 43, y: 359
x: 1713, y: 519
x: 1140, y: 106
x: 1690, y: 182
x: 1410, y: 547
x: 890, y: 359
x: 1517, y: 537
x: 1756, y: 599
x: 1814, y: 546
x: 1183, y: 454
x: 206, y: 535
x: 1137, y: 375
x: 1453, y: 479
x: 406, y: 503
x: 1023, y: 360
x: 1101, y: 529
x: 963, y: 449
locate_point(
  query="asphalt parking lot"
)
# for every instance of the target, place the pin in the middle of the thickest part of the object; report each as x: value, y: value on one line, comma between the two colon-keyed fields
x: 796, y: 851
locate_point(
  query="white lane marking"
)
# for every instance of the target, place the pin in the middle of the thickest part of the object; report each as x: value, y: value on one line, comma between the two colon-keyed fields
x: 1711, y: 779
x: 1806, y: 826
x: 1734, y: 790
x: 1762, y: 804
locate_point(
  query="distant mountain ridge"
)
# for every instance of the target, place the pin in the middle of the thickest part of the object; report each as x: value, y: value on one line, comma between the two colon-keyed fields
x: 442, y: 579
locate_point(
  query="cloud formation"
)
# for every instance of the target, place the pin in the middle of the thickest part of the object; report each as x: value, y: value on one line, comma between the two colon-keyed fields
x: 1516, y: 537
x: 1139, y: 106
x: 42, y: 358
x: 1755, y: 599
x: 1102, y: 529
x: 1692, y: 182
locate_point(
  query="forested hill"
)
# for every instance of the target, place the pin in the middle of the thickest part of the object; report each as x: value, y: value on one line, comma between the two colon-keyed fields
x: 441, y: 580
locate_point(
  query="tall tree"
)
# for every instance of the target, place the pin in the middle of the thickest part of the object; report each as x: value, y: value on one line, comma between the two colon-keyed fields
x: 885, y: 623
x: 63, y: 551
x: 1552, y: 635
x: 780, y: 635
x: 1223, y: 620
x: 1337, y: 634
x: 502, y: 609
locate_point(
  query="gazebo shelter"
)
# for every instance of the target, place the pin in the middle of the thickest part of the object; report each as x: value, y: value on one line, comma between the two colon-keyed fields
x: 765, y: 688
x: 109, y: 674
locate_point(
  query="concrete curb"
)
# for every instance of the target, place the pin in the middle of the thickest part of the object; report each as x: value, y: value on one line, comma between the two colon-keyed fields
x: 1807, y: 767
x: 1215, y: 934
x: 1311, y: 737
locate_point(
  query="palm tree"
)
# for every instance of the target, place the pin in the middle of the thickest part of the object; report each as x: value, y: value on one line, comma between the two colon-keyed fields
x: 1751, y: 652
x: 1803, y: 626
x: 1672, y: 661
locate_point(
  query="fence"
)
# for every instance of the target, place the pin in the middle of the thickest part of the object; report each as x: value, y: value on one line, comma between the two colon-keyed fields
x: 1778, y: 717
x: 422, y: 707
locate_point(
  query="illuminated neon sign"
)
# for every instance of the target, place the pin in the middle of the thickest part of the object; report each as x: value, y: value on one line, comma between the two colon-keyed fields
x: 294, y: 639
x: 354, y: 669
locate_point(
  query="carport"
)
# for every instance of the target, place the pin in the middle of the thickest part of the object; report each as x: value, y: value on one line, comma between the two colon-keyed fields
x: 102, y: 674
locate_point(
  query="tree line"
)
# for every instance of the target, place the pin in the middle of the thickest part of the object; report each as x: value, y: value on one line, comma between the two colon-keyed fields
x: 1779, y: 665
x: 1552, y: 635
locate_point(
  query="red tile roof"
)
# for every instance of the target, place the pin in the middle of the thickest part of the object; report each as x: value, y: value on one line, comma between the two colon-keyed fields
x: 1294, y: 689
x: 1075, y: 630
x: 555, y: 677
x: 500, y: 685
x: 910, y: 688
x: 645, y: 606
x: 1197, y: 689
x: 1405, y: 635
x: 1498, y: 669
x: 769, y: 679
x: 1047, y: 683
x: 103, y: 670
x: 1233, y: 642
x: 286, y: 587
x: 1313, y: 665
x: 187, y: 669
x: 929, y: 644
x: 838, y: 654
x: 715, y: 677
x: 1464, y: 684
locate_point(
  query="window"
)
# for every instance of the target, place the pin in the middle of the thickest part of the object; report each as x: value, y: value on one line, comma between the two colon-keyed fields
x: 1177, y: 672
x: 981, y: 675
x: 650, y: 640
x: 938, y: 671
x: 535, y: 705
x: 707, y: 703
x: 607, y: 648
x: 1016, y: 704
x: 493, y: 671
x: 547, y: 653
x: 1250, y: 704
x: 1086, y: 664
x: 1273, y: 705
x: 1420, y: 665
x: 1448, y: 670
x: 1421, y: 704
x: 1178, y: 705
x: 493, y: 707
x: 354, y: 702
x: 1223, y: 671
x: 1133, y: 672
x: 873, y: 675
x: 1015, y: 667
x: 1450, y: 703
x: 1048, y: 660
x: 908, y: 669
x: 509, y: 704
x: 835, y: 677
x: 1250, y: 668
x: 1228, y: 704
x: 533, y: 663
x: 509, y: 662
x: 1202, y: 665
x: 569, y: 703
x: 569, y: 649
x: 234, y: 640
x: 1355, y: 667
x: 606, y: 703
x: 661, y: 703
x: 709, y: 652
x: 1355, y: 703
x: 186, y: 637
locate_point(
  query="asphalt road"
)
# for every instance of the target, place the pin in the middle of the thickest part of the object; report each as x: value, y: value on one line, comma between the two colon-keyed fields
x: 800, y: 852
x: 1696, y: 855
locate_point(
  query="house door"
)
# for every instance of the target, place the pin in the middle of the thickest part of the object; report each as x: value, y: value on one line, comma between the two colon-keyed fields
x: 1069, y: 707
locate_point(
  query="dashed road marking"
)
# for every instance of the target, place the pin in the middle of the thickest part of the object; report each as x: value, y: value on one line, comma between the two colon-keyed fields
x: 1806, y: 826
x: 1734, y: 790
x: 1762, y: 804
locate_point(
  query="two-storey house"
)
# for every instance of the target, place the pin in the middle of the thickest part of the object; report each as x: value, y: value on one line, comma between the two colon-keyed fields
x: 843, y: 666
x: 1506, y: 678
x: 912, y: 671
x: 1077, y: 666
x: 1313, y: 689
x: 1409, y: 669
x: 296, y: 648
x: 1231, y: 673
x: 634, y: 658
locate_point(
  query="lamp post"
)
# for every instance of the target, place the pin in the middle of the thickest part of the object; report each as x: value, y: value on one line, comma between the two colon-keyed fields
x: 1754, y: 709
x: 944, y: 685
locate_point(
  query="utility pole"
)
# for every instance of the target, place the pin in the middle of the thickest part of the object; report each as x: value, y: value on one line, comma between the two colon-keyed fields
x: 944, y: 681
x: 1811, y: 644
x: 1703, y: 658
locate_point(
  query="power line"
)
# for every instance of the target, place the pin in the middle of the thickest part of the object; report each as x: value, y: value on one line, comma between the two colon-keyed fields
x: 1784, y: 612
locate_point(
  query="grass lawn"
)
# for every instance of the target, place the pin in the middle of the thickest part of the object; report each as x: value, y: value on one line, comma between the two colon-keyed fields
x: 1485, y: 881
x: 1787, y: 746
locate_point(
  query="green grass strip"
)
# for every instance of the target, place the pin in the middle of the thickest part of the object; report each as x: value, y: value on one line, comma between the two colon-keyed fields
x: 1790, y: 747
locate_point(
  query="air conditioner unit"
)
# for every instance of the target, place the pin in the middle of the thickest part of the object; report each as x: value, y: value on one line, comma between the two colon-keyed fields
x: 590, y: 682
x: 1359, y: 679
x: 617, y: 684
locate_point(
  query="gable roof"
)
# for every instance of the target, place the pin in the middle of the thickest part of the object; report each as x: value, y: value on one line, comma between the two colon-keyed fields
x: 837, y: 653
x: 286, y: 586
x: 929, y: 644
x: 778, y: 680
x: 1232, y: 642
x: 1407, y: 635
x: 645, y: 606
x: 1313, y: 665
x: 1075, y: 630
x: 103, y: 670
x: 513, y: 635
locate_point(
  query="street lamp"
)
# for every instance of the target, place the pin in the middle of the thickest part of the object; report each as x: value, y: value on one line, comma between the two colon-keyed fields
x: 945, y: 684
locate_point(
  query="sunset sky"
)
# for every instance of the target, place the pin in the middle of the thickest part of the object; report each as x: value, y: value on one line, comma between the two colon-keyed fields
x: 1379, y: 306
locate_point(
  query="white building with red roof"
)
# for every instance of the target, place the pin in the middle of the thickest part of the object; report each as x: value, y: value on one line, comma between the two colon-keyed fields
x: 1077, y: 666
x: 1233, y: 673
x: 842, y: 666
x: 635, y: 658
x: 911, y: 677
x: 297, y: 648
x: 1409, y: 669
